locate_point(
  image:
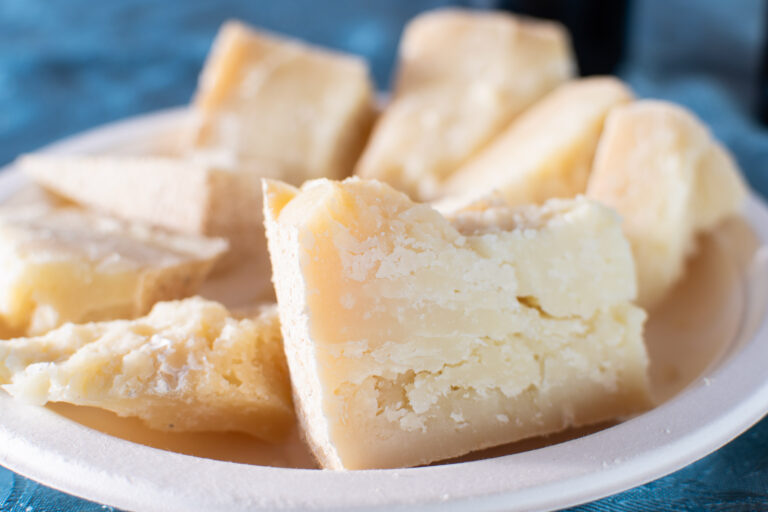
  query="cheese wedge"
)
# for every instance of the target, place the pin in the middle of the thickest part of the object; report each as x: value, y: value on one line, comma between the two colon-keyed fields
x: 463, y: 76
x: 187, y: 366
x: 67, y: 265
x: 413, y: 338
x: 547, y: 151
x: 659, y: 167
x: 267, y: 100
x: 178, y: 194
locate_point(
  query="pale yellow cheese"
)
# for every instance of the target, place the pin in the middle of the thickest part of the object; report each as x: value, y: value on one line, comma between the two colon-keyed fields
x: 187, y: 366
x: 547, y: 151
x: 190, y: 196
x: 68, y: 265
x: 413, y: 338
x: 463, y: 76
x: 659, y: 167
x: 268, y: 101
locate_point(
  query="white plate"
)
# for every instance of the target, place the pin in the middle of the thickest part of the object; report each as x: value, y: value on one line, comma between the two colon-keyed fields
x: 708, y: 346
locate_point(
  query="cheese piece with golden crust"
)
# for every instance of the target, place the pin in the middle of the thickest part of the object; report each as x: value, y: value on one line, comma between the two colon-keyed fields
x: 187, y: 366
x: 413, y: 338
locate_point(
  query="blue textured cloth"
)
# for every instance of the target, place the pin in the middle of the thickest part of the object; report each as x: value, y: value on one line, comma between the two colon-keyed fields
x: 68, y: 66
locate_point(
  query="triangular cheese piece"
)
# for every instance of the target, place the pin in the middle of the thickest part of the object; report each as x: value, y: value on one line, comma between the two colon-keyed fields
x: 547, y: 151
x: 659, y: 167
x: 174, y: 193
x: 69, y: 265
x: 413, y: 338
x: 463, y: 76
x: 187, y: 366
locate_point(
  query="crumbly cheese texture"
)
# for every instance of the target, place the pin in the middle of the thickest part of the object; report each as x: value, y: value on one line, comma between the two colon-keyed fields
x: 413, y: 338
x: 547, y: 151
x: 264, y: 100
x: 463, y: 76
x: 185, y: 195
x: 187, y: 366
x: 659, y: 167
x: 63, y: 264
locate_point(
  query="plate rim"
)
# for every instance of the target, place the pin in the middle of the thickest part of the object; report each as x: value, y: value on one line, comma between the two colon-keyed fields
x: 39, y: 454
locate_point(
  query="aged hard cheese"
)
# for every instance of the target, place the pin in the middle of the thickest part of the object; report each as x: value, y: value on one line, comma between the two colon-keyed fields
x: 463, y: 76
x: 263, y: 100
x: 660, y: 168
x: 413, y: 338
x: 547, y: 151
x: 179, y: 194
x: 187, y: 366
x: 67, y: 265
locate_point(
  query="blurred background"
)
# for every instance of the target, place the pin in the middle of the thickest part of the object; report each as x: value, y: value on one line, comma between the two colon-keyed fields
x: 66, y: 66
x: 70, y: 65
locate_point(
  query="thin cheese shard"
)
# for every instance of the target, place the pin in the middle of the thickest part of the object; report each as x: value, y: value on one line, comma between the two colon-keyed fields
x: 262, y: 98
x: 547, y: 151
x: 68, y: 265
x: 187, y: 366
x: 410, y: 335
x: 463, y: 76
x: 659, y: 167
x: 179, y: 194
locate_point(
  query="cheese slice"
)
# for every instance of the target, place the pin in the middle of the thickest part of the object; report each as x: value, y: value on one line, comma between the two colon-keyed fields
x: 463, y: 76
x: 547, y: 151
x: 190, y: 196
x: 413, y: 338
x: 264, y: 99
x: 659, y: 167
x: 68, y: 265
x: 187, y: 366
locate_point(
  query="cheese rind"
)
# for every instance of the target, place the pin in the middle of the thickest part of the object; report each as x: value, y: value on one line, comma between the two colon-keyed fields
x: 547, y: 151
x: 67, y: 265
x: 187, y: 366
x: 463, y: 76
x: 409, y: 335
x: 266, y: 100
x: 178, y: 194
x: 659, y: 167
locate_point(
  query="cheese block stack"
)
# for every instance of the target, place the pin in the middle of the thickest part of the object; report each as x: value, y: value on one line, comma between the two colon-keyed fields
x: 480, y: 280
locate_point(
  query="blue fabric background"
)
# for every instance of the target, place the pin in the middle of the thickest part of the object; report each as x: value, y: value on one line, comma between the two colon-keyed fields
x: 68, y: 66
